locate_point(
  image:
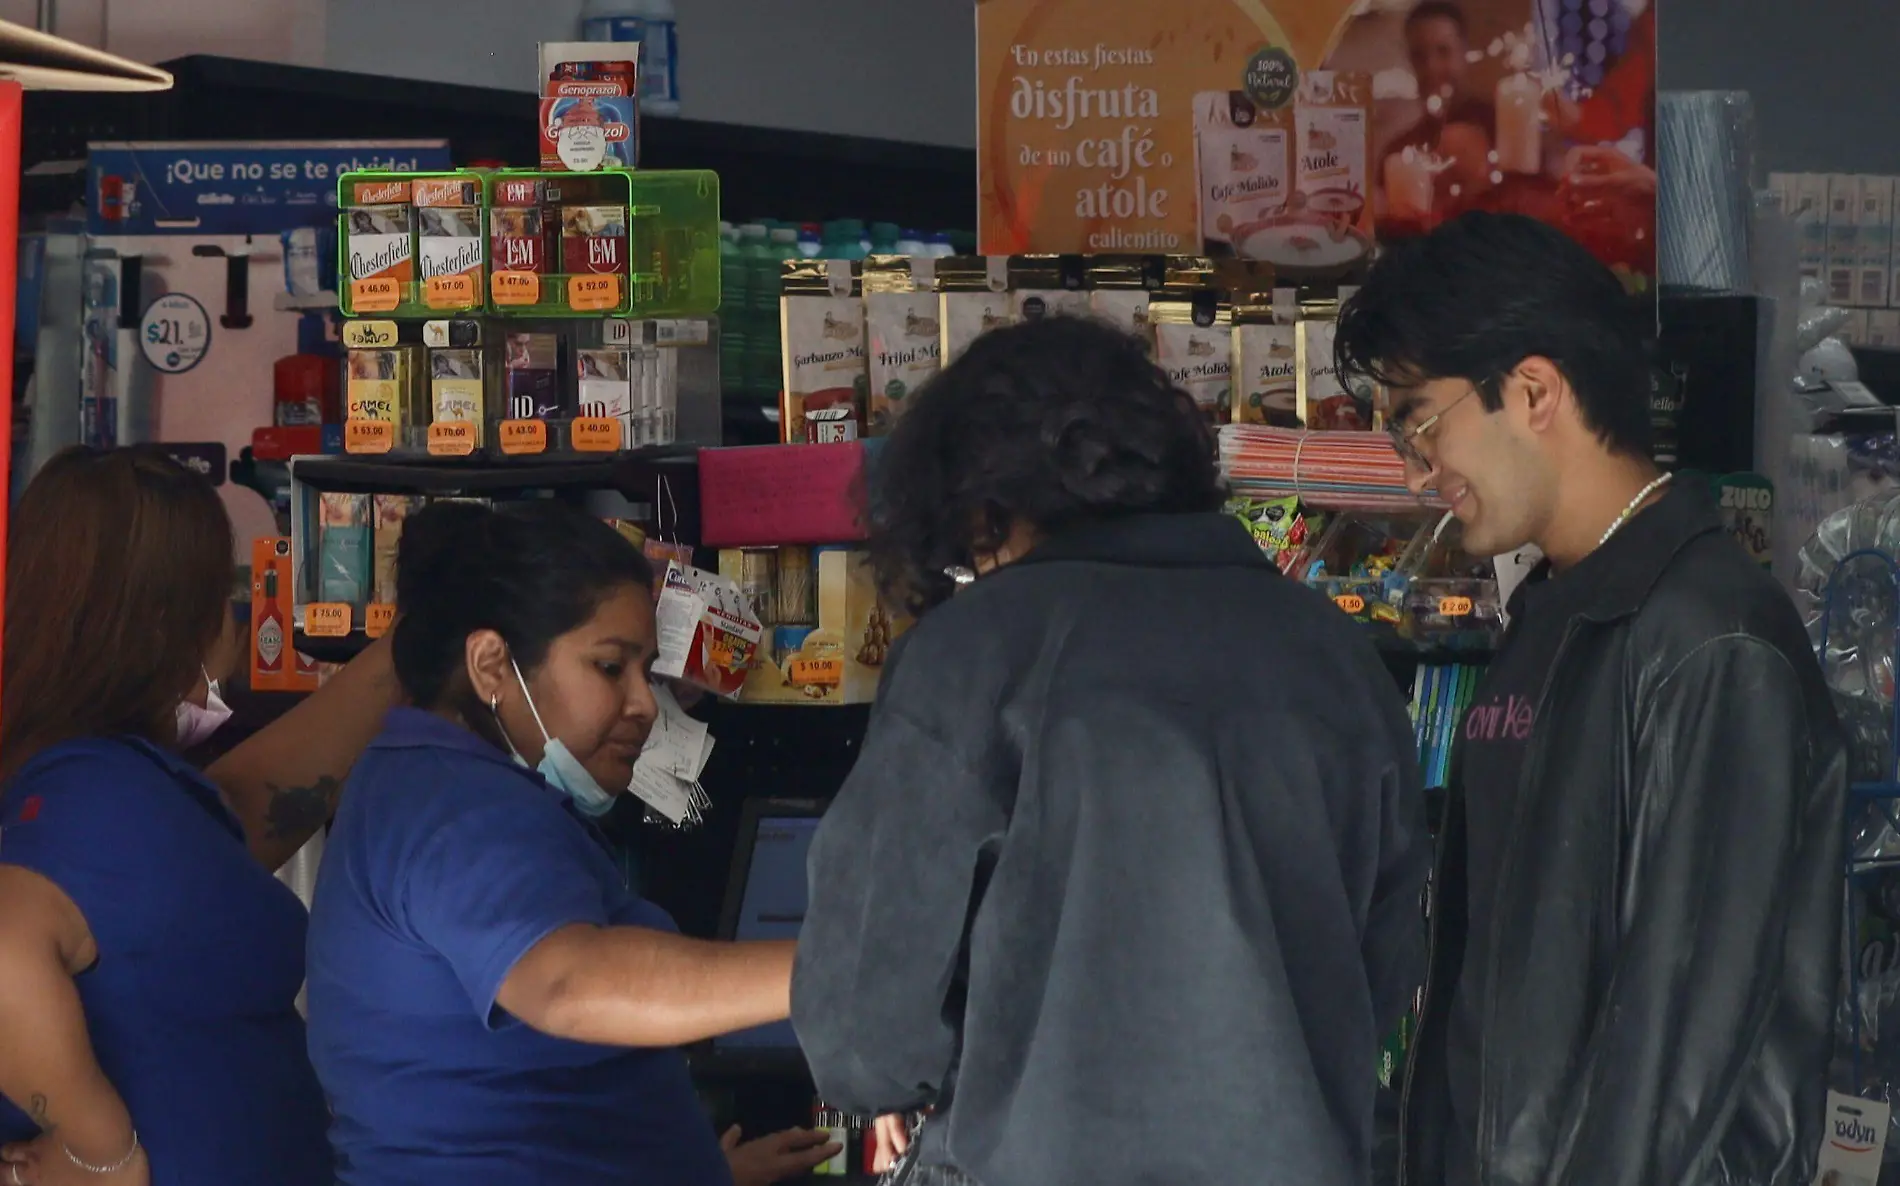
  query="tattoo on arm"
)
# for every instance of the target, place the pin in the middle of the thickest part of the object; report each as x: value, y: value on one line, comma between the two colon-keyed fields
x: 298, y: 811
x: 37, y: 1109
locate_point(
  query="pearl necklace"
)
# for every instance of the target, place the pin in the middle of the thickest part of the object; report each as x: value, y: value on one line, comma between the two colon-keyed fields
x: 1642, y: 496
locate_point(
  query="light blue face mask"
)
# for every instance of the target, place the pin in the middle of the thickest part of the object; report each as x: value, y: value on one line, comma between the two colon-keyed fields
x: 560, y: 767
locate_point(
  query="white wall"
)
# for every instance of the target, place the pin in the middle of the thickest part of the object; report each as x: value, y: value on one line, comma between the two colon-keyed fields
x: 153, y: 30
x: 898, y: 69
x: 904, y: 69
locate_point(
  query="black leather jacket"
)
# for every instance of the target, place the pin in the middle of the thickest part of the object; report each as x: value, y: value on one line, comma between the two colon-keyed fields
x: 1660, y: 1009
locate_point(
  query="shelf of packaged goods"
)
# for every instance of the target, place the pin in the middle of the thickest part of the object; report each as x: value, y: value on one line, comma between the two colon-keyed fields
x: 458, y: 476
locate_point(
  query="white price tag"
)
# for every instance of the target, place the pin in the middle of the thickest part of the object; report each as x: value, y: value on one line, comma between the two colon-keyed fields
x: 1852, y: 1142
x: 679, y: 745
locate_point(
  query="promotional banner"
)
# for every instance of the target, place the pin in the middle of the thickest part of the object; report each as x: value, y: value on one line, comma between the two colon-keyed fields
x: 1303, y: 132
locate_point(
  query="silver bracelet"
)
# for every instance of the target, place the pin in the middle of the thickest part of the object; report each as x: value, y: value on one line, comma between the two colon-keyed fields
x: 114, y: 1168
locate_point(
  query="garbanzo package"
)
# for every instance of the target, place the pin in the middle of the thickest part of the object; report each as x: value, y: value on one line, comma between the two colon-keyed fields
x: 821, y: 316
x: 1325, y: 403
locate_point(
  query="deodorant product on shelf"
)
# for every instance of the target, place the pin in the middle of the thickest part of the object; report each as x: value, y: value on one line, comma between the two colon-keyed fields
x: 821, y: 321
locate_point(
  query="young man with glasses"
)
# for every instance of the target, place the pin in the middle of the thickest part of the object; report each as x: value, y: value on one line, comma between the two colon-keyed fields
x: 1636, y: 927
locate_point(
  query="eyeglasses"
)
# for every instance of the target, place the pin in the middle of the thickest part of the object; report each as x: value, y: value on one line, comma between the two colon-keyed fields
x: 1405, y: 439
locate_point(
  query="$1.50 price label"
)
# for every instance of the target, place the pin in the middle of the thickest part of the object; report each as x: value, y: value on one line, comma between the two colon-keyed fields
x: 1454, y: 607
x: 515, y: 288
x: 378, y: 619
x: 1352, y: 603
x: 524, y: 437
x: 593, y: 294
x: 327, y: 619
x: 451, y: 438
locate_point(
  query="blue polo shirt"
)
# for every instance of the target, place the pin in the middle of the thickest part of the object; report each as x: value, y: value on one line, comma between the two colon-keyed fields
x: 192, y: 1005
x: 446, y: 864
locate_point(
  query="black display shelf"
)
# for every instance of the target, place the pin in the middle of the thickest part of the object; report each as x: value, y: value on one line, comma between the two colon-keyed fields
x: 764, y: 172
x: 630, y: 473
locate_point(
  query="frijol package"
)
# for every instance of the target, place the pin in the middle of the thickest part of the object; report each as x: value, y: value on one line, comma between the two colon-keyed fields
x: 1243, y: 158
x: 1120, y: 287
x: 974, y: 299
x: 1266, y: 358
x: 904, y: 332
x: 1325, y: 403
x: 821, y: 316
x: 1048, y: 286
x: 1193, y: 324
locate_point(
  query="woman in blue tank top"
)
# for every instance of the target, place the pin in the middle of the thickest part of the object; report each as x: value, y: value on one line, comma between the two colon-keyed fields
x: 152, y: 962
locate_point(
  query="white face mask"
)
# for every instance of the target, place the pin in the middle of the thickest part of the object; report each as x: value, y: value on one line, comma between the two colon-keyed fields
x: 196, y: 724
x: 559, y: 766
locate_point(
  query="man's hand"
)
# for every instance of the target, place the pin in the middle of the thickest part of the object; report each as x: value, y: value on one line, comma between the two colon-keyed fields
x: 42, y: 1162
x: 893, y: 1140
x: 775, y: 1158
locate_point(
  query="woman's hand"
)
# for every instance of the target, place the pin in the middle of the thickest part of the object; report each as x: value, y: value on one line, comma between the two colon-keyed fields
x: 43, y: 1162
x: 775, y: 1158
x: 893, y: 1140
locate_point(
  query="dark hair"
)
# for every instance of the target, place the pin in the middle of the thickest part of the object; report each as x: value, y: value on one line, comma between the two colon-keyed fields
x: 119, y: 575
x: 529, y: 571
x: 1444, y: 10
x: 1053, y: 423
x: 1485, y: 291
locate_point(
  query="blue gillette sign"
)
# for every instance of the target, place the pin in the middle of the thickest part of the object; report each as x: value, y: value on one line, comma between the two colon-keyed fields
x: 234, y: 187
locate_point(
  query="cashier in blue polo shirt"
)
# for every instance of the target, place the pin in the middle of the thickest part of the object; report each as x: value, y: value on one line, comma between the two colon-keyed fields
x: 489, y: 1001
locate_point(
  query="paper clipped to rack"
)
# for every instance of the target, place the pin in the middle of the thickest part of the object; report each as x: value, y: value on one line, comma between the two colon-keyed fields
x: 666, y: 776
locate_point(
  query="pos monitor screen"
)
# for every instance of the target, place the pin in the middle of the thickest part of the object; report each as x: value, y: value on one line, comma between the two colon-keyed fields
x: 765, y: 899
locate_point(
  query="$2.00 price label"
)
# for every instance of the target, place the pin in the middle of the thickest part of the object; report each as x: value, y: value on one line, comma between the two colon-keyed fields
x: 451, y: 438
x: 1352, y: 603
x: 524, y: 437
x: 377, y: 294
x: 593, y: 294
x: 378, y: 619
x: 368, y: 436
x: 515, y: 288
x: 1454, y: 607
x: 595, y: 434
x: 327, y: 619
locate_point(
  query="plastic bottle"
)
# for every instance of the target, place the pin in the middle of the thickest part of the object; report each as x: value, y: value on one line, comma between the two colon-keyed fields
x: 913, y: 244
x: 884, y: 238
x: 940, y: 247
x: 809, y: 244
x: 844, y: 239
x: 735, y: 303
x: 755, y: 245
x: 766, y: 370
x: 652, y: 24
